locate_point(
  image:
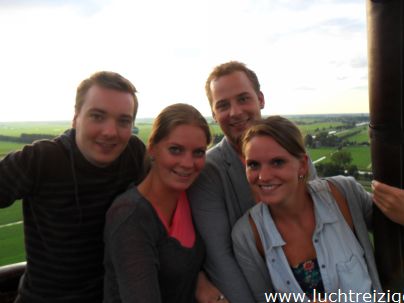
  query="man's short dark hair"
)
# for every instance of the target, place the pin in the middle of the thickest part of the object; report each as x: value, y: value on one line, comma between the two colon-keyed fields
x: 105, y: 79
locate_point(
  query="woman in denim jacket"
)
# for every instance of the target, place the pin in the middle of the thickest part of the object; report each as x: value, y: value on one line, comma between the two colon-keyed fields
x: 304, y: 237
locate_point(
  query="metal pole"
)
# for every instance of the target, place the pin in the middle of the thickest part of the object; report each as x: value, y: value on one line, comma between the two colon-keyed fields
x: 385, y: 53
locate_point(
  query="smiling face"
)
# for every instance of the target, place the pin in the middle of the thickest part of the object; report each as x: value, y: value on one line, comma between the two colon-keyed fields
x: 179, y: 157
x: 235, y: 104
x: 104, y: 124
x: 272, y: 171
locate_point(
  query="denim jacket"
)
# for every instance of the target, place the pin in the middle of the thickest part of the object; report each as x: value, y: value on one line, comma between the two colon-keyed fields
x: 345, y: 262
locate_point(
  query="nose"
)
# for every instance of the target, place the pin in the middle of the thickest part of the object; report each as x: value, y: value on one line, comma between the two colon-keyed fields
x: 235, y: 110
x: 187, y: 161
x: 265, y: 174
x: 110, y: 128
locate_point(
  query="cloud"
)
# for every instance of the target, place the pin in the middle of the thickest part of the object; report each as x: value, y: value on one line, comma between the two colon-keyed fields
x: 359, y: 62
x: 84, y: 7
x: 305, y: 88
x: 167, y: 48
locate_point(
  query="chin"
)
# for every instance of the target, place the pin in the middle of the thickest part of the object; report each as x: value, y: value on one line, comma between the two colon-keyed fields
x: 269, y: 202
x: 180, y: 187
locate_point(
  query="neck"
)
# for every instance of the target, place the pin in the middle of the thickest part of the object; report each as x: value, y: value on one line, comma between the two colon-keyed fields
x: 235, y: 146
x: 296, y: 208
x: 161, y: 197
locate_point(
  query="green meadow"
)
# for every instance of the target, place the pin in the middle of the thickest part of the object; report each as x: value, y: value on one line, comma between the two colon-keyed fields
x: 11, y: 236
x: 318, y: 126
x: 317, y: 153
x: 6, y: 147
x: 15, y: 129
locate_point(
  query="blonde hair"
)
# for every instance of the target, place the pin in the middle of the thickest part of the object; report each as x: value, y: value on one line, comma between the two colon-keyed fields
x: 229, y: 68
x: 175, y: 115
x: 282, y: 130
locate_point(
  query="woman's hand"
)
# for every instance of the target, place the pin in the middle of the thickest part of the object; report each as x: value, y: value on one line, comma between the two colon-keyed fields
x: 206, y: 292
x: 390, y: 200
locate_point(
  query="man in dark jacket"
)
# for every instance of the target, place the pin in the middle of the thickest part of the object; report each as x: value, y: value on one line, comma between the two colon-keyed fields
x: 67, y: 184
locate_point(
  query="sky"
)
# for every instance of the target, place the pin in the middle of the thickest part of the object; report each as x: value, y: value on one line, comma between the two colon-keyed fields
x: 310, y: 55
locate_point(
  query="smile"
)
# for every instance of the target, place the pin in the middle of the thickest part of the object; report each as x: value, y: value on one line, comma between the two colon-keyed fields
x: 182, y: 174
x: 239, y: 123
x: 268, y: 187
x: 106, y: 146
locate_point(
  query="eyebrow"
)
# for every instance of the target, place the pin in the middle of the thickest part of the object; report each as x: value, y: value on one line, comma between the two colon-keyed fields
x: 181, y: 145
x: 242, y: 94
x: 101, y: 111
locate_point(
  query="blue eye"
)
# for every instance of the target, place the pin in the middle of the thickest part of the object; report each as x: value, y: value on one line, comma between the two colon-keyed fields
x: 252, y: 165
x: 243, y: 99
x: 175, y: 150
x: 222, y: 105
x: 96, y: 117
x: 199, y: 153
x: 278, y: 162
x: 125, y: 123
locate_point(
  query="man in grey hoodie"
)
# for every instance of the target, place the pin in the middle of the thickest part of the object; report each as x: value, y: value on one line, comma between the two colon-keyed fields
x: 67, y: 184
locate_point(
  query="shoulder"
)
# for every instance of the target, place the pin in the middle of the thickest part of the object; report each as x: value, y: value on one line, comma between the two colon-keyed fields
x: 212, y: 169
x: 135, y: 159
x: 222, y: 152
x: 242, y: 228
x: 346, y: 184
x: 43, y: 150
x: 342, y: 180
x: 135, y: 146
x: 135, y: 142
x: 215, y: 154
x: 221, y: 156
x: 128, y: 205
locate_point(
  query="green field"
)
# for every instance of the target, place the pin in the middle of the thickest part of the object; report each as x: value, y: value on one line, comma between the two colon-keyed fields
x: 11, y: 214
x: 12, y: 244
x: 6, y: 147
x: 15, y: 129
x: 317, y: 153
x: 322, y: 126
x: 360, y: 157
x: 11, y: 237
x: 144, y: 131
x: 363, y: 136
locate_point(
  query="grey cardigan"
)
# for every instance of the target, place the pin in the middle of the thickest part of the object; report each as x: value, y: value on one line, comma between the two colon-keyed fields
x: 255, y: 268
x: 219, y: 197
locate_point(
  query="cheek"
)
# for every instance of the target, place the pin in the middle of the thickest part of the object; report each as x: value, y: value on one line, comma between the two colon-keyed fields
x: 251, y: 176
x: 199, y: 164
x: 221, y: 117
x: 125, y: 135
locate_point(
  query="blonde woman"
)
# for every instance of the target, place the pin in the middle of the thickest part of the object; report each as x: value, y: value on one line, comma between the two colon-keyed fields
x: 304, y: 237
x: 153, y: 252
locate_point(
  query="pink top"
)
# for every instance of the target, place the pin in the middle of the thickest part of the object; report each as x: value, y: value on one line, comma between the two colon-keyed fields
x: 182, y: 227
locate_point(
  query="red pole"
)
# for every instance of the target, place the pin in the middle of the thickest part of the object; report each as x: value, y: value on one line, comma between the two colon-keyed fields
x: 386, y: 101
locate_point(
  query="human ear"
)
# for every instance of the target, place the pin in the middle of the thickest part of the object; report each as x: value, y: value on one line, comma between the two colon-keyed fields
x: 261, y: 100
x: 303, y: 169
x: 74, y: 120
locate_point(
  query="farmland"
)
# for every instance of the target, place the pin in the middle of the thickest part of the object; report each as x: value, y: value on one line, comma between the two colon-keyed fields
x: 11, y: 235
x: 353, y: 139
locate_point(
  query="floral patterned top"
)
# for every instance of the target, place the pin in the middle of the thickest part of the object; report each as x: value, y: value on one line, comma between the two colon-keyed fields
x: 308, y: 276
